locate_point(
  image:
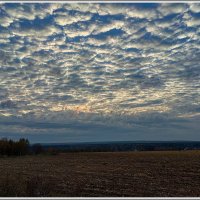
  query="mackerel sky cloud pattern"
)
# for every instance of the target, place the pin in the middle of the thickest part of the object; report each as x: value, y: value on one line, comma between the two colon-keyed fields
x: 100, y: 72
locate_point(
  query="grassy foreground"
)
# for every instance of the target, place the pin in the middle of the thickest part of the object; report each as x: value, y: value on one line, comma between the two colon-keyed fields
x: 167, y: 173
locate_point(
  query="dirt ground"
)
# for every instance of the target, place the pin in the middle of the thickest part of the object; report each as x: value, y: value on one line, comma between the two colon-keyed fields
x: 115, y: 174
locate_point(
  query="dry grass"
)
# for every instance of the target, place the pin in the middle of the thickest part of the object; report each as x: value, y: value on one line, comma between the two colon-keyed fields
x: 102, y: 174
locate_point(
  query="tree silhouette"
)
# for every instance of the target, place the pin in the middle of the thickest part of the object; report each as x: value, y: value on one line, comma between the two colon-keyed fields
x: 17, y: 148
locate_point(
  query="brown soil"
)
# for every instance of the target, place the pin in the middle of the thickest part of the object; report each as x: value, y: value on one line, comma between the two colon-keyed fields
x: 136, y: 174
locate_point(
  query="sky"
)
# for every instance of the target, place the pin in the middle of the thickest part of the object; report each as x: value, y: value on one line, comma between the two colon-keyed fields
x: 100, y: 72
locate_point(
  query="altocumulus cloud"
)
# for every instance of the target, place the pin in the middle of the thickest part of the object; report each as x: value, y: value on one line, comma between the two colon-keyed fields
x: 96, y: 72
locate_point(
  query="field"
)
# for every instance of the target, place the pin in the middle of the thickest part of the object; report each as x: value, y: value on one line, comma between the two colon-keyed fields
x: 141, y: 174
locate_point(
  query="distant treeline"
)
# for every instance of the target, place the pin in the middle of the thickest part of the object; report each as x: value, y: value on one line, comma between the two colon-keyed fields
x: 17, y: 148
x: 21, y: 147
x: 124, y: 146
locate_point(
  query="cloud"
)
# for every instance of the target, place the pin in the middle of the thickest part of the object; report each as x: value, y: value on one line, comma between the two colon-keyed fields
x: 108, y: 64
x: 66, y: 19
x: 28, y: 11
x: 35, y: 31
x: 193, y: 22
x: 7, y: 104
x: 169, y: 9
x: 5, y: 21
x: 194, y: 7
